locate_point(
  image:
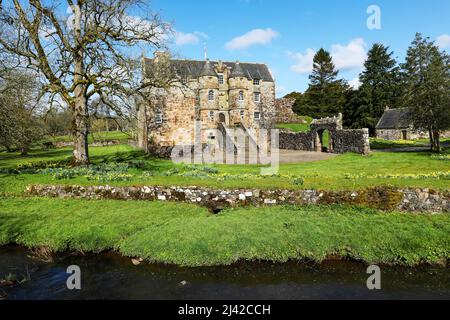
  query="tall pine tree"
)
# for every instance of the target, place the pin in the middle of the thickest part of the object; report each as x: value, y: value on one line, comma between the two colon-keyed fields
x: 426, y: 79
x: 379, y: 87
x: 326, y: 94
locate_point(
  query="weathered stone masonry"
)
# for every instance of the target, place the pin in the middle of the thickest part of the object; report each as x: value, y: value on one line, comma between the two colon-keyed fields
x: 340, y: 141
x: 206, y: 93
x: 385, y: 198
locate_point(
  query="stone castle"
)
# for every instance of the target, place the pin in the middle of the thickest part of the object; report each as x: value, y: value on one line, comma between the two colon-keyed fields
x: 217, y: 103
x: 221, y: 95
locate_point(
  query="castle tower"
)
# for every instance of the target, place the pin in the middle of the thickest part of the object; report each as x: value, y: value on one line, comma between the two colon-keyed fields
x: 239, y: 94
x: 208, y: 94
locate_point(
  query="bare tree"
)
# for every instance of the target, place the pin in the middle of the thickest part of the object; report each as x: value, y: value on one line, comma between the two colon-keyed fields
x: 20, y: 126
x: 82, y: 50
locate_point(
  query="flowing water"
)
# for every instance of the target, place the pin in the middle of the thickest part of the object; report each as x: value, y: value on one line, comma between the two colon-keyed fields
x: 110, y: 276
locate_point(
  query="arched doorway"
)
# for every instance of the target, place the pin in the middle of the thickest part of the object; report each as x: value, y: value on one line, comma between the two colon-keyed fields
x: 222, y: 118
x: 324, y: 141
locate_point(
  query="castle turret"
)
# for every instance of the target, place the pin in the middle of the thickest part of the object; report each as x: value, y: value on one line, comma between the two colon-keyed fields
x: 208, y: 70
x: 238, y: 86
x: 237, y: 71
x: 208, y: 87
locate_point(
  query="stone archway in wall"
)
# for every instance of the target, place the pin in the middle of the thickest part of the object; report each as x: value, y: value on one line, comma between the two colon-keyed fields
x: 324, y: 139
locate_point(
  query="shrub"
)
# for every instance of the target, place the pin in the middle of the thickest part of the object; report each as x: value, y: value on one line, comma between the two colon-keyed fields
x: 299, y: 181
x: 102, y: 172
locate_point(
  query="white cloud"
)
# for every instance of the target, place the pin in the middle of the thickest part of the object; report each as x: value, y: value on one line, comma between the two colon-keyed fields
x: 443, y: 41
x: 182, y: 39
x: 351, y: 56
x: 303, y: 62
x: 254, y: 37
x: 345, y: 57
x: 355, y: 83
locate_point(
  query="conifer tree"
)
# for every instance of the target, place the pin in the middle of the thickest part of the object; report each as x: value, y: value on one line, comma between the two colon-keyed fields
x: 326, y: 94
x: 426, y: 79
x: 379, y: 87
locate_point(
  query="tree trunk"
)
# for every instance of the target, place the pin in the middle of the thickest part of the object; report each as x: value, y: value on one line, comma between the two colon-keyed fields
x: 437, y: 141
x: 80, y: 137
x: 430, y: 132
x: 80, y: 114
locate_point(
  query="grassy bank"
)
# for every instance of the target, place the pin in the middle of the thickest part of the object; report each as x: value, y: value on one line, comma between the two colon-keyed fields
x: 294, y: 127
x: 188, y: 235
x: 345, y: 172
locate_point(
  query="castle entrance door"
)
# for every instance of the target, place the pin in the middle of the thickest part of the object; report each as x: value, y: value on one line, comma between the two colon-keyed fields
x: 222, y: 118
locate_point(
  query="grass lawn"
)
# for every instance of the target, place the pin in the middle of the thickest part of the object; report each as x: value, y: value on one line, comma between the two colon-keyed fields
x: 188, y: 235
x: 345, y: 172
x: 294, y: 127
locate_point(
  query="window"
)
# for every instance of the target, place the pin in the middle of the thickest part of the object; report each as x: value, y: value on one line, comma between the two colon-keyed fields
x: 211, y: 95
x: 257, y: 115
x: 257, y: 97
x: 211, y: 136
x: 256, y: 82
x: 242, y: 113
x: 184, y: 80
x: 221, y: 81
x: 211, y: 115
x: 158, y: 118
x: 241, y: 95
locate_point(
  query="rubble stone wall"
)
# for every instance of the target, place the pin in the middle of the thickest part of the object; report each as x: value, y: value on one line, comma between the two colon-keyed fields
x: 340, y: 140
x: 384, y: 198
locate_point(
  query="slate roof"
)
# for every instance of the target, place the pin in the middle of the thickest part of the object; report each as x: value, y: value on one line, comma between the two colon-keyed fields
x: 194, y: 68
x: 208, y: 69
x: 237, y: 71
x: 394, y: 119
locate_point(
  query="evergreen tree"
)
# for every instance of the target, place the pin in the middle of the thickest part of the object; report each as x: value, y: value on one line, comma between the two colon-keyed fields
x: 324, y: 71
x: 326, y: 94
x: 379, y: 87
x: 426, y: 79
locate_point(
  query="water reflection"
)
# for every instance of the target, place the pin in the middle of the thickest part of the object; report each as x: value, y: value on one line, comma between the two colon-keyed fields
x: 110, y: 276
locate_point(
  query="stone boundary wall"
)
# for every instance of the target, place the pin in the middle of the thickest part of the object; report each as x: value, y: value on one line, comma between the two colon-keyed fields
x: 97, y: 143
x: 384, y: 198
x: 340, y: 140
x: 351, y: 140
x: 397, y: 134
x: 296, y: 141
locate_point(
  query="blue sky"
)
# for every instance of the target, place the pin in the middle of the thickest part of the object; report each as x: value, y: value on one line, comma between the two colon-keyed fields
x: 284, y: 34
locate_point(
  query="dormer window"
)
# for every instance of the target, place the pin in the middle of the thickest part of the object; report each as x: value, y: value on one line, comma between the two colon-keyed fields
x: 211, y: 95
x: 184, y: 80
x: 221, y: 80
x: 158, y: 118
x: 241, y: 95
x: 257, y: 97
x: 256, y: 82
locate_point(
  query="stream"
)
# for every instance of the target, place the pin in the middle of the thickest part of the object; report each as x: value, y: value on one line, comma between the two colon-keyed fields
x: 111, y: 276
